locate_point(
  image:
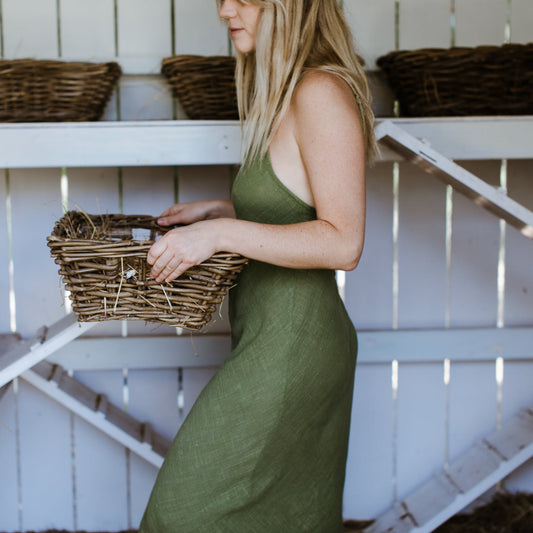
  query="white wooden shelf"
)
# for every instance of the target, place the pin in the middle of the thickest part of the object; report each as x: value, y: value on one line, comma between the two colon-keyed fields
x: 185, y: 142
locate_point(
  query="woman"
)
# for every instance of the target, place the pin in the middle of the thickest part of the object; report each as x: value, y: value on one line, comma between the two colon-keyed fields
x: 264, y: 447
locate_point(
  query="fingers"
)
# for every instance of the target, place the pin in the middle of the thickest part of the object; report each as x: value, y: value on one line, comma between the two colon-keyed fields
x: 170, y: 216
x: 166, y: 264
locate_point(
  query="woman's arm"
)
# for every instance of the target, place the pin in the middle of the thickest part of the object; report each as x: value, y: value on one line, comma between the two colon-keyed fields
x: 328, y: 132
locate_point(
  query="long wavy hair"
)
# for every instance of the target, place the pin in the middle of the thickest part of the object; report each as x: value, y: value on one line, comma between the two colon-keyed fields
x: 294, y: 37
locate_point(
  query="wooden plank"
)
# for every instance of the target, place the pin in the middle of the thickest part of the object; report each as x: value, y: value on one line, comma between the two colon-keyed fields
x: 474, y: 257
x: 370, y: 452
x: 143, y: 476
x: 426, y: 26
x: 95, y: 190
x: 101, y: 480
x: 421, y: 424
x: 516, y: 394
x: 431, y: 498
x: 372, y: 25
x: 42, y: 459
x: 521, y: 21
x: 369, y: 287
x: 473, y: 466
x: 518, y: 433
x: 36, y: 279
x: 422, y: 250
x: 144, y: 28
x: 375, y: 347
x: 473, y: 29
x: 27, y: 353
x: 109, y: 144
x: 472, y: 408
x: 29, y: 28
x: 450, y: 173
x: 8, y: 451
x: 518, y: 308
x: 87, y: 29
x: 199, y: 30
x: 149, y: 391
x: 144, y: 352
x: 473, y: 138
x: 4, y: 259
x: 145, y: 98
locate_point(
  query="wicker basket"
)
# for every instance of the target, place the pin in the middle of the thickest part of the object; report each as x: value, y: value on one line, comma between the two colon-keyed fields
x: 55, y: 91
x: 486, y: 80
x: 102, y: 259
x: 205, y: 85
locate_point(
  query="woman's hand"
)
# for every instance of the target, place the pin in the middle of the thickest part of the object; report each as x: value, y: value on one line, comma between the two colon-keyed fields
x: 190, y: 212
x: 182, y: 248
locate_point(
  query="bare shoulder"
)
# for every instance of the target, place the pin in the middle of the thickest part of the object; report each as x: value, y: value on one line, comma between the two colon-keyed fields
x: 321, y: 89
x: 323, y: 102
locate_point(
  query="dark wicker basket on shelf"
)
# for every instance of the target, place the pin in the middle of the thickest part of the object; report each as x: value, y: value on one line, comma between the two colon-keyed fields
x: 205, y: 85
x: 55, y: 91
x: 102, y: 259
x: 485, y: 80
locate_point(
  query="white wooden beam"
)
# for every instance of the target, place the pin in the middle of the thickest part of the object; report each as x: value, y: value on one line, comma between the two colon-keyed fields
x: 111, y: 144
x: 375, y: 347
x: 95, y: 409
x: 474, y: 188
x: 26, y: 353
x: 186, y: 142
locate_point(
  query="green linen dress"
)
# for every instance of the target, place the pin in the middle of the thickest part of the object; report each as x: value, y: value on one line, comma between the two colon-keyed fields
x: 264, y: 447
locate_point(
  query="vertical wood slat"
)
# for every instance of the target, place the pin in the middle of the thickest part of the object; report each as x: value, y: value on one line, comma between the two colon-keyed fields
x: 36, y: 205
x: 4, y: 258
x: 424, y: 24
x: 472, y: 405
x: 100, y: 462
x: 8, y: 451
x: 199, y: 30
x: 368, y: 486
x: 144, y: 28
x: 421, y: 427
x: 87, y: 28
x: 521, y: 21
x: 519, y: 281
x: 480, y: 22
x: 146, y: 98
x: 101, y: 480
x: 49, y: 460
x: 372, y: 25
x: 30, y: 28
x: 143, y: 476
x: 517, y: 394
x: 369, y: 286
x: 474, y: 261
x: 422, y: 251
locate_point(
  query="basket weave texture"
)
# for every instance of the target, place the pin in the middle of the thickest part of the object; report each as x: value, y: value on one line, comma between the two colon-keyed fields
x: 205, y: 85
x: 102, y: 259
x: 55, y: 91
x: 460, y: 81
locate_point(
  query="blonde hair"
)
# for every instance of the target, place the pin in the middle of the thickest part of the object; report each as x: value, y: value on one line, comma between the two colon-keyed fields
x: 294, y: 37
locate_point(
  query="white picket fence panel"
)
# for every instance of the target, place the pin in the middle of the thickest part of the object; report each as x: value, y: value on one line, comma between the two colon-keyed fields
x: 396, y: 441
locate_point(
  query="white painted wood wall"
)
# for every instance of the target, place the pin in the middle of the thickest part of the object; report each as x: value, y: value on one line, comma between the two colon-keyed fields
x: 59, y: 472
